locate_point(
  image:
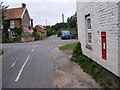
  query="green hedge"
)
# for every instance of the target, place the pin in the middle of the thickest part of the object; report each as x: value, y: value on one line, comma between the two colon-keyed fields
x: 92, y: 68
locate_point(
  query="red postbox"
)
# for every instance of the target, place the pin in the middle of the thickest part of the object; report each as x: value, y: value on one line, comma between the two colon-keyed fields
x: 103, y: 38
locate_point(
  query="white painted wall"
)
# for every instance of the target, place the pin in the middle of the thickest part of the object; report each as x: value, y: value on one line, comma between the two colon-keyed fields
x: 104, y: 17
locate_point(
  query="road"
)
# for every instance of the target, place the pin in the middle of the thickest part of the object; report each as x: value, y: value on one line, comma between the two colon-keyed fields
x: 29, y: 65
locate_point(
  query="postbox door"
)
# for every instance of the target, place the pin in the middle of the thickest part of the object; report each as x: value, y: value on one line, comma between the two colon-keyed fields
x: 103, y: 37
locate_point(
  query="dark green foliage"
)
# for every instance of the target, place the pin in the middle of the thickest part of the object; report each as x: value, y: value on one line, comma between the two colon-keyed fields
x: 77, y: 52
x: 36, y: 34
x: 72, y: 21
x: 58, y: 26
x: 18, y: 33
x: 6, y: 24
x: 5, y: 34
x: 50, y: 31
x: 92, y: 68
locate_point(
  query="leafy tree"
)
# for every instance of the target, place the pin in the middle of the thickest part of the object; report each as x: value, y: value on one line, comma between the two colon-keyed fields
x: 59, y: 25
x: 50, y: 31
x: 72, y: 21
x: 36, y: 34
x: 5, y: 23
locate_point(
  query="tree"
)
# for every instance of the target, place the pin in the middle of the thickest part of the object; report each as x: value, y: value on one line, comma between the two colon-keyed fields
x: 59, y: 25
x: 72, y: 21
x: 6, y: 24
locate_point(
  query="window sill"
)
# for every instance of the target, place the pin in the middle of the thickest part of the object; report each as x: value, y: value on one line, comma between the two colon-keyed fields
x: 89, y: 47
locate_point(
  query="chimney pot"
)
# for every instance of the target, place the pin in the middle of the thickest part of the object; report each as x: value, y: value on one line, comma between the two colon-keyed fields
x: 23, y: 5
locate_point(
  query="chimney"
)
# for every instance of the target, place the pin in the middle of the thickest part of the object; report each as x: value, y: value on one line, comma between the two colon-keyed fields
x: 32, y: 23
x: 23, y: 5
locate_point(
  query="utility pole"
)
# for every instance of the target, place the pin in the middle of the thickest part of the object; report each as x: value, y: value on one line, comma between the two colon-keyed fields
x: 46, y: 22
x: 63, y: 18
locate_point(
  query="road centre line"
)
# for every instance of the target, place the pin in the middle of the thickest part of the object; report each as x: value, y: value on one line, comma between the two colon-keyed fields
x: 33, y: 48
x: 21, y: 70
x: 13, y: 64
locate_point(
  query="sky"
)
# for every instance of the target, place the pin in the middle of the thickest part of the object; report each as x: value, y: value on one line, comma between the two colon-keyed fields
x: 42, y: 11
x: 49, y: 10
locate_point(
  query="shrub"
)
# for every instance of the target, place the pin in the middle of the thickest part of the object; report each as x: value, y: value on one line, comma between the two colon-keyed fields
x: 77, y: 52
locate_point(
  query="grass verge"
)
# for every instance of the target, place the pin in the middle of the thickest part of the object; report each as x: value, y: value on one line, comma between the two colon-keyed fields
x: 68, y: 46
x: 97, y: 72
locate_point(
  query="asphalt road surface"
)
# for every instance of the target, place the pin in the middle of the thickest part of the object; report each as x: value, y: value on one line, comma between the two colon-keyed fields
x: 29, y: 65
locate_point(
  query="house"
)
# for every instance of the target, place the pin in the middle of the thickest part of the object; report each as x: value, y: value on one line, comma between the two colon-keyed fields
x: 19, y: 18
x: 41, y: 29
x: 99, y: 33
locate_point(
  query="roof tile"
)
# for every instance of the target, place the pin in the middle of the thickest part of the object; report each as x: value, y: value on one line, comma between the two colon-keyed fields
x: 14, y: 13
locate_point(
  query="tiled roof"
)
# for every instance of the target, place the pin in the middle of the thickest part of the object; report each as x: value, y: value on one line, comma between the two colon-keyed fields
x: 39, y: 28
x: 14, y: 13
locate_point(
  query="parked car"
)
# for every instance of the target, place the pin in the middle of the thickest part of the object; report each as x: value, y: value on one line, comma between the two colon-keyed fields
x: 65, y: 34
x: 74, y: 36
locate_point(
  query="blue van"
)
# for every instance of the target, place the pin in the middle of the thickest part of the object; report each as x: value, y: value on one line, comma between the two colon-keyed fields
x: 65, y: 34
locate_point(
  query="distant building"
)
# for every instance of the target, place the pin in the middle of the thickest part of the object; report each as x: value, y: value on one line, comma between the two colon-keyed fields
x: 20, y: 18
x: 99, y: 33
x: 41, y: 29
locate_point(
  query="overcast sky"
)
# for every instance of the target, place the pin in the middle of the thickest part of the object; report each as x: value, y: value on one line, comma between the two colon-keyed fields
x: 40, y: 10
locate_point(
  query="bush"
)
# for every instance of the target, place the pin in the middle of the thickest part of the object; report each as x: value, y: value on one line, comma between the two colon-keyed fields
x: 77, y: 52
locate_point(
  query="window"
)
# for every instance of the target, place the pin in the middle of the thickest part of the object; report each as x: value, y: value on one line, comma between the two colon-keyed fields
x: 89, y: 31
x: 11, y: 23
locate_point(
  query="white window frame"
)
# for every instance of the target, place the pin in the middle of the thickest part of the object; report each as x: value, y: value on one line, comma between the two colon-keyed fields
x: 89, y: 30
x: 11, y: 23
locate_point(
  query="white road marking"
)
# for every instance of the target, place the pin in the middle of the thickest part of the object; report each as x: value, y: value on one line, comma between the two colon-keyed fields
x: 20, y: 72
x: 33, y: 48
x: 13, y: 64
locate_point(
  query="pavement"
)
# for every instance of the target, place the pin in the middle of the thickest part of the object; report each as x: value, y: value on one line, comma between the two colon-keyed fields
x: 30, y: 65
x: 68, y: 74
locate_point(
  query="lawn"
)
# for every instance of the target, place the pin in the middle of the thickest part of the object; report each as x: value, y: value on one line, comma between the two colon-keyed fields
x: 68, y: 46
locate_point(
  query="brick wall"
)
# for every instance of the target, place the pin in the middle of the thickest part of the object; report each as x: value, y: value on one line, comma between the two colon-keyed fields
x: 17, y: 23
x: 104, y: 18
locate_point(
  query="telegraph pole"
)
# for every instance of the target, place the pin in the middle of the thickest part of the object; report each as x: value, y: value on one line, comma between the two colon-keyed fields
x: 46, y: 22
x: 63, y: 18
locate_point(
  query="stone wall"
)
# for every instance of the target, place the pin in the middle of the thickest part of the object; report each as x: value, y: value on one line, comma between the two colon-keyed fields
x: 28, y: 39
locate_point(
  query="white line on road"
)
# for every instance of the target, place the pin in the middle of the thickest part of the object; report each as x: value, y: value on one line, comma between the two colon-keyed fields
x: 33, y: 48
x: 13, y: 64
x: 20, y: 72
